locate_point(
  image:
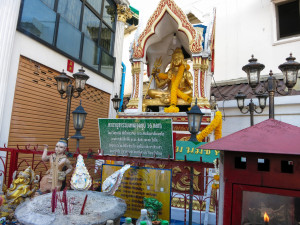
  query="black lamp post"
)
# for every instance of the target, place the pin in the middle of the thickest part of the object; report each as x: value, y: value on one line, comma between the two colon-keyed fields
x: 79, y: 116
x: 67, y: 91
x: 194, y: 121
x: 290, y: 71
x: 251, y: 107
x: 116, y: 102
x: 213, y: 102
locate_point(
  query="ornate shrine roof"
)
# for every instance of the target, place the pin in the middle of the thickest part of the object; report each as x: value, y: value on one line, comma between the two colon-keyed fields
x: 269, y: 136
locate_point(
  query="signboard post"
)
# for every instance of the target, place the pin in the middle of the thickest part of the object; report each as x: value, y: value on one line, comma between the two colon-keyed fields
x: 193, y: 153
x: 140, y: 182
x: 149, y: 137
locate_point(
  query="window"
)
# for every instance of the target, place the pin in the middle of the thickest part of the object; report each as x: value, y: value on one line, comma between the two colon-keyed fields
x: 81, y: 30
x: 263, y: 164
x: 109, y: 11
x: 107, y: 64
x: 287, y: 166
x: 288, y: 19
x: 90, y: 25
x: 41, y: 23
x: 70, y: 11
x: 68, y: 38
x: 281, y: 209
x: 240, y: 162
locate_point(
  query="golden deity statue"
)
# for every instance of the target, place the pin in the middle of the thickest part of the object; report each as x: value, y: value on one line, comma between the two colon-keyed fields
x: 55, y: 175
x: 174, y: 87
x: 18, y: 192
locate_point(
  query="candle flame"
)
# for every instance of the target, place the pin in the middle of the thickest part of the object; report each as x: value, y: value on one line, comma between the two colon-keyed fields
x: 266, y: 217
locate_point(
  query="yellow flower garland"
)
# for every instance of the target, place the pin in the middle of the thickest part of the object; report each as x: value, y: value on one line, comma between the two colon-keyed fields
x: 216, y: 125
x: 174, y: 89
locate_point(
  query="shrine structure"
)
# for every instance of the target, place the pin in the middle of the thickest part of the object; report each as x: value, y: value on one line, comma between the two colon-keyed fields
x: 169, y: 35
x: 259, y: 174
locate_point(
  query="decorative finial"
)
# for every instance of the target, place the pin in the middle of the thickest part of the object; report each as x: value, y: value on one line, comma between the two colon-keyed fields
x: 252, y: 59
x: 271, y: 73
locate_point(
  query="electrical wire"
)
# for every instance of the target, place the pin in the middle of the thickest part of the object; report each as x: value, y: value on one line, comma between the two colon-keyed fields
x: 223, y: 96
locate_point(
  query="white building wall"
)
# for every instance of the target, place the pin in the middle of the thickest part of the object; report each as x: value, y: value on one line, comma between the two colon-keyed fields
x: 287, y: 109
x: 26, y: 46
x: 8, y: 17
x: 249, y: 27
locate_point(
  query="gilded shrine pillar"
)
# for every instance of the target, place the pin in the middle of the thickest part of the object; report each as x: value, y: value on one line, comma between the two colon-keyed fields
x: 200, y: 67
x: 135, y: 103
x: 123, y: 13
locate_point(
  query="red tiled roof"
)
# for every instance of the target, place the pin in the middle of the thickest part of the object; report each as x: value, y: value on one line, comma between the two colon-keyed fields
x: 269, y: 136
x: 230, y: 90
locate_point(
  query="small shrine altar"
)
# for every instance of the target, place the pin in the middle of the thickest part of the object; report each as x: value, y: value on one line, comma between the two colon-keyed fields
x: 259, y: 182
x: 100, y: 207
x: 178, y: 58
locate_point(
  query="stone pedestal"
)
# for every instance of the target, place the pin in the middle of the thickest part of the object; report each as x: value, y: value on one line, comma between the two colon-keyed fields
x: 99, y: 208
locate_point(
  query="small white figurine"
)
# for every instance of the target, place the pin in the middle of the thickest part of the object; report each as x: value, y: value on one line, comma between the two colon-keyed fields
x: 111, y: 184
x: 81, y: 179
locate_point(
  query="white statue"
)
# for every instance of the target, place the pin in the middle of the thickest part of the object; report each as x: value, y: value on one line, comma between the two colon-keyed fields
x: 111, y: 184
x: 81, y: 179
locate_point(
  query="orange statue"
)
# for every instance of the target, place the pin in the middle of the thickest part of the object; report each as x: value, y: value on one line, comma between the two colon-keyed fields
x: 55, y: 175
x: 178, y: 82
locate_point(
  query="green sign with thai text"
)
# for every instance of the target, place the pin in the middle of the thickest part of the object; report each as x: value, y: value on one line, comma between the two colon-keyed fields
x: 136, y: 137
x: 192, y: 153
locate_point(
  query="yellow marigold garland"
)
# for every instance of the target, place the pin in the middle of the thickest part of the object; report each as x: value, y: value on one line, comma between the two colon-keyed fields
x: 216, y: 125
x: 218, y: 130
x: 174, y: 89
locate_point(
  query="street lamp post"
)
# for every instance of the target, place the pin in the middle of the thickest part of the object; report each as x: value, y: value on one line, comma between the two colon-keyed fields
x: 67, y: 91
x: 116, y: 102
x: 213, y: 102
x: 79, y: 116
x: 194, y: 122
x: 290, y: 71
x: 251, y: 107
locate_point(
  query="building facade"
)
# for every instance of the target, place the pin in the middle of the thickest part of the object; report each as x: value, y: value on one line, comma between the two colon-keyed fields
x: 267, y: 29
x: 39, y: 39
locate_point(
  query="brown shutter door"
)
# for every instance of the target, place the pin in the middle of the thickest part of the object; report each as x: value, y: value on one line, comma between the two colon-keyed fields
x: 38, y: 115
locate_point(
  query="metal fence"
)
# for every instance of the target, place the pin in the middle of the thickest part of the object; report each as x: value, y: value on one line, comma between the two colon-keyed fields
x: 191, y: 181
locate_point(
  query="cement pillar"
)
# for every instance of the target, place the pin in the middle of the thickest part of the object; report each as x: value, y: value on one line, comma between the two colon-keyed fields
x: 123, y: 14
x: 9, y: 12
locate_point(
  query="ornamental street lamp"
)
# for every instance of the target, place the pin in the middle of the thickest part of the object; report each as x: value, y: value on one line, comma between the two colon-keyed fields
x: 213, y: 102
x: 116, y: 102
x: 194, y: 121
x: 290, y: 71
x: 67, y: 91
x: 79, y: 116
x: 253, y: 69
x: 251, y: 107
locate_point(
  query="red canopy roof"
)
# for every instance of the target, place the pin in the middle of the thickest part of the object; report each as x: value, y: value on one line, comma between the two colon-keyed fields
x: 269, y: 136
